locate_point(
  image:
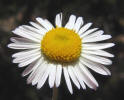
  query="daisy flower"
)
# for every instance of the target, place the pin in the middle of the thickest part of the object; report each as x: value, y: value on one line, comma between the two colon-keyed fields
x: 72, y: 49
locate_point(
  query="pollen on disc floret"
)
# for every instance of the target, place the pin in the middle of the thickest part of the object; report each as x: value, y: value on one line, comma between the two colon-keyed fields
x: 61, y: 45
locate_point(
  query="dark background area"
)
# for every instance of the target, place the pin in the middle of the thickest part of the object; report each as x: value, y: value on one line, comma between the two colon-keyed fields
x: 105, y: 14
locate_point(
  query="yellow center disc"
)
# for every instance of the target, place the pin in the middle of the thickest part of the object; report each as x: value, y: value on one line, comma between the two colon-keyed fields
x: 61, y: 45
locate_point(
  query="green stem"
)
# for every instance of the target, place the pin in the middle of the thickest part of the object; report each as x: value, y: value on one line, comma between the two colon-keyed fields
x: 55, y: 93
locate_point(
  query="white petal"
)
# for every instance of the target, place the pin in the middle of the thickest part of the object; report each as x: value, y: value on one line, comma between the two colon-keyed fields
x: 88, y: 32
x: 95, y: 67
x: 49, y: 23
x: 21, y: 40
x: 38, y: 27
x: 52, y: 75
x: 34, y: 71
x: 29, y: 61
x: 79, y: 22
x: 25, y: 58
x: 93, y: 34
x: 21, y: 33
x: 58, y: 74
x: 42, y: 31
x: 91, y: 46
x: 25, y: 53
x: 45, y: 23
x: 89, y: 75
x: 98, y: 52
x: 23, y: 46
x: 73, y: 77
x: 43, y: 78
x: 29, y: 69
x: 79, y: 76
x: 36, y: 75
x: 71, y: 22
x: 97, y: 59
x: 58, y: 20
x: 67, y: 79
x: 87, y: 79
x: 29, y: 32
x: 84, y: 28
x: 96, y: 39
x: 39, y: 73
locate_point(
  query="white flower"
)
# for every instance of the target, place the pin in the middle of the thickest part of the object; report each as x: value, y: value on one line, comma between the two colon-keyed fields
x: 47, y: 50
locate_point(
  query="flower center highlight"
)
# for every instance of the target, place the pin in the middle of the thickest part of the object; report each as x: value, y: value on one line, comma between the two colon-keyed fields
x: 61, y: 45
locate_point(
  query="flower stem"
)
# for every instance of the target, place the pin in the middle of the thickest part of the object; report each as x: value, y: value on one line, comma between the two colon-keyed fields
x: 55, y: 93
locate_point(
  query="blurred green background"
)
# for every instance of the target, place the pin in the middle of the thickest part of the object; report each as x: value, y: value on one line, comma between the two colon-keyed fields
x: 105, y: 14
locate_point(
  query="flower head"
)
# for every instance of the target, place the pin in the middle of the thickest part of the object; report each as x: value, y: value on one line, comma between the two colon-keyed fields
x: 47, y: 50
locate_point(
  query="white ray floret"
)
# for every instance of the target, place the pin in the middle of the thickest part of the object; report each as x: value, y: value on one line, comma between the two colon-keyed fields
x: 58, y: 75
x: 97, y: 59
x: 35, y: 30
x: 79, y: 22
x: 99, y: 68
x: 42, y: 79
x: 79, y: 76
x: 29, y: 69
x: 88, y: 32
x: 97, y: 46
x: 28, y: 61
x: 96, y: 38
x: 96, y: 33
x: 67, y: 79
x: 88, y: 74
x: 73, y: 77
x: 58, y: 20
x: 25, y: 58
x: 34, y: 71
x: 24, y: 46
x: 22, y: 34
x: 70, y: 24
x: 20, y: 40
x: 39, y: 74
x: 84, y: 28
x: 98, y: 52
x: 52, y: 75
x: 25, y: 53
x: 45, y: 23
